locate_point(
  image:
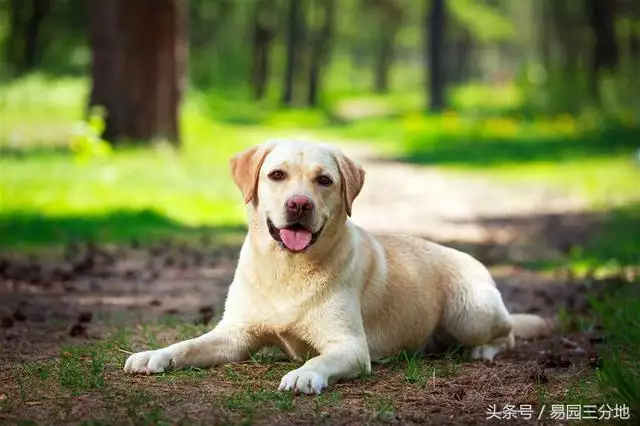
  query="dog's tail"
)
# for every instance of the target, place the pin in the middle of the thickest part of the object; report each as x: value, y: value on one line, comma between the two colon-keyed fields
x: 529, y: 326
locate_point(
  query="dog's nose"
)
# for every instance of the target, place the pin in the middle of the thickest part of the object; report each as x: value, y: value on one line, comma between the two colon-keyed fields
x: 299, y: 206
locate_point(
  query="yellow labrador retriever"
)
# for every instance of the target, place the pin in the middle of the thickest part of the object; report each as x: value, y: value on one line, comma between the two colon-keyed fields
x: 309, y: 281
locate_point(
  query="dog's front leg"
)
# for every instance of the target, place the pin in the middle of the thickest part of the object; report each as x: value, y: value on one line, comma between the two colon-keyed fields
x: 225, y: 343
x: 345, y: 355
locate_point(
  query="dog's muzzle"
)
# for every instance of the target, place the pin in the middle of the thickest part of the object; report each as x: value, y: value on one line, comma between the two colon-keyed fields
x: 294, y: 237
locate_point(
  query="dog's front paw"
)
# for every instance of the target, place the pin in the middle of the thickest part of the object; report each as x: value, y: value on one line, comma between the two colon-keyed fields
x: 304, y: 381
x: 148, y: 362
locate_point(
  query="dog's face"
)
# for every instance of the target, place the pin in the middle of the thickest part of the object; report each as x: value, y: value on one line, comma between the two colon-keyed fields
x: 297, y: 191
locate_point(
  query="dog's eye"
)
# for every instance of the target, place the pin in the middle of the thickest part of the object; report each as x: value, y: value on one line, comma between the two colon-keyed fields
x: 277, y: 175
x: 324, y: 180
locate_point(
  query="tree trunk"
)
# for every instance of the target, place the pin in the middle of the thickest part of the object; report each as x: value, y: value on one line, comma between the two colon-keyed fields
x: 605, y: 54
x: 263, y: 35
x: 383, y: 63
x: 462, y: 52
x: 545, y: 35
x: 294, y: 19
x: 389, y: 14
x: 634, y: 48
x: 567, y: 30
x: 138, y: 64
x: 320, y: 47
x: 14, y: 37
x: 107, y: 61
x: 435, y: 31
x: 24, y: 43
x: 39, y: 10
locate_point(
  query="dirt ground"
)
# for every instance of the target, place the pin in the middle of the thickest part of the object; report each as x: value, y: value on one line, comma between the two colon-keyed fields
x: 90, y: 292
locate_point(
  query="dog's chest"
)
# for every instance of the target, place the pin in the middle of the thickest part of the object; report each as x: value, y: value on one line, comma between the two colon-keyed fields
x: 281, y: 323
x: 279, y: 317
x: 276, y: 311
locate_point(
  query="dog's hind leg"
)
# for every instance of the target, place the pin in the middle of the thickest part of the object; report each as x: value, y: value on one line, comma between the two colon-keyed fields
x: 490, y: 349
x: 479, y: 320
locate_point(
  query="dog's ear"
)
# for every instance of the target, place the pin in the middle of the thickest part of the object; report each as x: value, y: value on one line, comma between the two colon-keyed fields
x: 352, y: 179
x: 245, y: 169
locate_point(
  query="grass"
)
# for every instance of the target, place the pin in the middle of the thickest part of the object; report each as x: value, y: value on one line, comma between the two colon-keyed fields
x: 590, y: 156
x: 595, y: 161
x: 52, y: 197
x: 620, y: 373
x: 419, y: 371
x: 92, y: 372
x: 84, y: 383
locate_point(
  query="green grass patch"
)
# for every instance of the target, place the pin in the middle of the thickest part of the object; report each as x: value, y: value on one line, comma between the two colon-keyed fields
x: 381, y: 407
x: 620, y: 372
x: 79, y: 369
x: 40, y: 111
x: 590, y: 156
x: 52, y: 197
x: 246, y: 400
x: 419, y: 370
x: 616, y: 380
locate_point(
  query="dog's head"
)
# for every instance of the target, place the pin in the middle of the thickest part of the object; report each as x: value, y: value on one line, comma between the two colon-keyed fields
x: 299, y: 192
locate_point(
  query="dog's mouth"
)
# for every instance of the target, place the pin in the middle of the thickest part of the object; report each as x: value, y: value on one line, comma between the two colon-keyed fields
x: 294, y: 237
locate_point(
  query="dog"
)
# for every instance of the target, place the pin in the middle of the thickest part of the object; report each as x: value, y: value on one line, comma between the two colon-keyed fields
x: 312, y: 283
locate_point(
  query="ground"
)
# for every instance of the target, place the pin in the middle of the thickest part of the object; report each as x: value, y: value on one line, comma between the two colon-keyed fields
x: 70, y: 319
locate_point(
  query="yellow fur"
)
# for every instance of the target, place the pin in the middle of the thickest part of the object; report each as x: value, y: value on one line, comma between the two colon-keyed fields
x: 350, y: 299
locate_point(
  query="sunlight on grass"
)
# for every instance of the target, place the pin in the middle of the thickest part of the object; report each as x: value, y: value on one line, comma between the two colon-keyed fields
x: 49, y: 195
x: 488, y: 97
x: 47, y: 190
x: 604, y: 181
x: 193, y: 188
x: 53, y: 104
x: 585, y: 156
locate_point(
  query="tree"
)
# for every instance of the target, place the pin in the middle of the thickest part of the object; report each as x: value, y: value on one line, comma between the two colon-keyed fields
x: 24, y: 44
x: 605, y: 55
x: 106, y: 65
x: 568, y: 28
x: 295, y: 28
x: 320, y: 47
x: 390, y: 15
x: 264, y: 31
x: 435, y: 31
x: 139, y: 54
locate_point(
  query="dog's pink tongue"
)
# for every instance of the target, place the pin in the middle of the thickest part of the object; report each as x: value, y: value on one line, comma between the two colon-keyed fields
x: 295, y: 239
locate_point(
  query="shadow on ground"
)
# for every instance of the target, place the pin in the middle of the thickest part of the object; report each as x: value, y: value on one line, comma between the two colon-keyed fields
x: 476, y: 150
x: 24, y: 152
x: 139, y: 227
x: 593, y: 239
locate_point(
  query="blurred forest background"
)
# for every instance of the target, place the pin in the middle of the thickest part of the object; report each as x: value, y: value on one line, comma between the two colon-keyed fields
x: 118, y: 118
x: 543, y: 90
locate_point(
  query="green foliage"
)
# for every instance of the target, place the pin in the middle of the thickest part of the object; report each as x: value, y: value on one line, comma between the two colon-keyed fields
x: 87, y: 140
x: 486, y: 23
x: 50, y: 198
x: 39, y: 111
x: 148, y: 193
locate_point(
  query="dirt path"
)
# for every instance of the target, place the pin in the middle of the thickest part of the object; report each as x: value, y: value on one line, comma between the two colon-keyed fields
x: 48, y: 305
x: 445, y: 206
